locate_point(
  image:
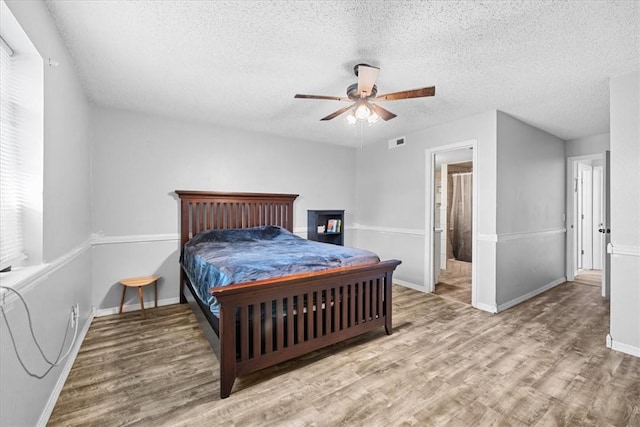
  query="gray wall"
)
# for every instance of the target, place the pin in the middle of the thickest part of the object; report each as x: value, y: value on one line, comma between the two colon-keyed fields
x: 391, y: 201
x: 625, y: 213
x: 521, y: 176
x: 595, y: 144
x: 530, y: 209
x: 66, y: 229
x: 140, y: 159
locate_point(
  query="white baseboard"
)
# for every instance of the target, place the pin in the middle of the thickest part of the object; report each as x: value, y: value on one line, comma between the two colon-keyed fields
x: 479, y: 306
x: 55, y: 393
x: 486, y: 307
x: 409, y: 285
x: 135, y: 306
x: 623, y: 348
x: 516, y: 301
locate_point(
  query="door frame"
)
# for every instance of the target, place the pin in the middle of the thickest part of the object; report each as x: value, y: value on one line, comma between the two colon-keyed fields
x: 571, y: 264
x: 606, y: 223
x: 430, y: 171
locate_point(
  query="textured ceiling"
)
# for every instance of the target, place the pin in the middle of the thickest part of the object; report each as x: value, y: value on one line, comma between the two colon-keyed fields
x: 238, y: 64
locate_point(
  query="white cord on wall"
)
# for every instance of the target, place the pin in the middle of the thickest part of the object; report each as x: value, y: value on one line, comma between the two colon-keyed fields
x: 59, y: 358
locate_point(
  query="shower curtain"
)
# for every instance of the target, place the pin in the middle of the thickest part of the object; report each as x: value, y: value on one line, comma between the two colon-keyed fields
x: 460, y: 221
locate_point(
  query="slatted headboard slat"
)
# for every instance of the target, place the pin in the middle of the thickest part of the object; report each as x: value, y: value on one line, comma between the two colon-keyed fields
x: 204, y: 210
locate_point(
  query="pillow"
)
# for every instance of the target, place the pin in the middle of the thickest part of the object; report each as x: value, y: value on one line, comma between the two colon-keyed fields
x: 232, y: 235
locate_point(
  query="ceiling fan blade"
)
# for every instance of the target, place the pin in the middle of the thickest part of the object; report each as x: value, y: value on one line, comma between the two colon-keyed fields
x: 406, y: 94
x: 384, y: 114
x: 367, y: 76
x: 336, y: 113
x: 330, y: 98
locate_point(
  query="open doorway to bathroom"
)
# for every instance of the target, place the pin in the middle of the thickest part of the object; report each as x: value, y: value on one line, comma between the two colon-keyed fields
x: 453, y: 224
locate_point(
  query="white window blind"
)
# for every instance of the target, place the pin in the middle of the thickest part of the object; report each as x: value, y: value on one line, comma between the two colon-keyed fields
x: 11, y: 177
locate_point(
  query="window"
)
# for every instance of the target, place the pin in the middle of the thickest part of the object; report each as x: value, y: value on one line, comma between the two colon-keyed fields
x: 21, y: 145
x: 12, y: 248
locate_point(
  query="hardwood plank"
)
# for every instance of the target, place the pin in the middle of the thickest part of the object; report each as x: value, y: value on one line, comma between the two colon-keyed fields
x: 542, y: 362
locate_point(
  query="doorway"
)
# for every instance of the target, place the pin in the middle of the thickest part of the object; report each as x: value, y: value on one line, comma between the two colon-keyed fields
x: 451, y: 222
x: 587, y: 215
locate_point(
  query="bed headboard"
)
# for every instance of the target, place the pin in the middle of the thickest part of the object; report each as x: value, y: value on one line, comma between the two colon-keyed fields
x: 206, y: 210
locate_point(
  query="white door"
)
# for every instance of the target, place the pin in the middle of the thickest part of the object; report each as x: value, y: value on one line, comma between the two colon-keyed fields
x: 598, y: 224
x: 583, y: 216
x: 586, y: 223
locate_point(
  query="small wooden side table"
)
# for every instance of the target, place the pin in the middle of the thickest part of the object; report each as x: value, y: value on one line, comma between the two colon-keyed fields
x: 139, y: 282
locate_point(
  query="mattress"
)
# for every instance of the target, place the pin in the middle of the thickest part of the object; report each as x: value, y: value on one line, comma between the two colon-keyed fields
x: 222, y: 257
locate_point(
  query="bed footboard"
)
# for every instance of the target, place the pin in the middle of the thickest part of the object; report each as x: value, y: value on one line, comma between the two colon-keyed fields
x: 278, y: 319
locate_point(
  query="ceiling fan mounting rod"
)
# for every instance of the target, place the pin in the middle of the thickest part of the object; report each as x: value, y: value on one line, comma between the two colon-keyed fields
x: 357, y: 67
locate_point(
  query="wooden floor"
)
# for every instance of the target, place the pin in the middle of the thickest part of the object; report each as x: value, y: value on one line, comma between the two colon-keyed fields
x: 543, y: 363
x: 590, y: 277
x: 455, y: 285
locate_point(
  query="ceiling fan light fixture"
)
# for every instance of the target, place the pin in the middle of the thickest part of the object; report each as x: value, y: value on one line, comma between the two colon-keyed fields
x: 364, y: 98
x: 363, y: 111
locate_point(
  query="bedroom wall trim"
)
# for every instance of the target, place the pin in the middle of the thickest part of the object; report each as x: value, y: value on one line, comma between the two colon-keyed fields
x: 55, y: 393
x: 409, y: 285
x: 303, y: 230
x: 100, y: 239
x: 486, y: 307
x: 530, y: 234
x: 135, y: 306
x: 393, y: 230
x: 520, y: 235
x: 621, y: 347
x: 516, y: 301
x: 624, y: 250
x: 27, y: 279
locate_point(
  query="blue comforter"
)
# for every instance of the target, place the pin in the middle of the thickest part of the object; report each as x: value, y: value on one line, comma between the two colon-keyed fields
x: 222, y: 257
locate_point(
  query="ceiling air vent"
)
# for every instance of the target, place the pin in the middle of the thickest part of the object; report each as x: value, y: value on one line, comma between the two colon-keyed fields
x: 397, y: 142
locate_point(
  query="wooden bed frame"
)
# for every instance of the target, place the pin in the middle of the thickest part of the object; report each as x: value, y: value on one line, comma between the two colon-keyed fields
x: 298, y: 314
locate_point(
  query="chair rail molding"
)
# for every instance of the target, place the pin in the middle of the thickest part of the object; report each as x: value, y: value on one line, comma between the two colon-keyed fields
x: 392, y: 230
x: 504, y: 237
x: 624, y: 250
x: 101, y: 239
x: 27, y: 278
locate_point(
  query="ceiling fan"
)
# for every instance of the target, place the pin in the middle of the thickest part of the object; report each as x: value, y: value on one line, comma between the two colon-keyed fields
x: 363, y: 95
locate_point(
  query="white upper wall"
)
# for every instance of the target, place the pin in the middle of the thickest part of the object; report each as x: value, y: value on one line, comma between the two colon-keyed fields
x: 391, y: 183
x: 595, y: 144
x: 625, y: 161
x: 531, y: 177
x: 140, y: 159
